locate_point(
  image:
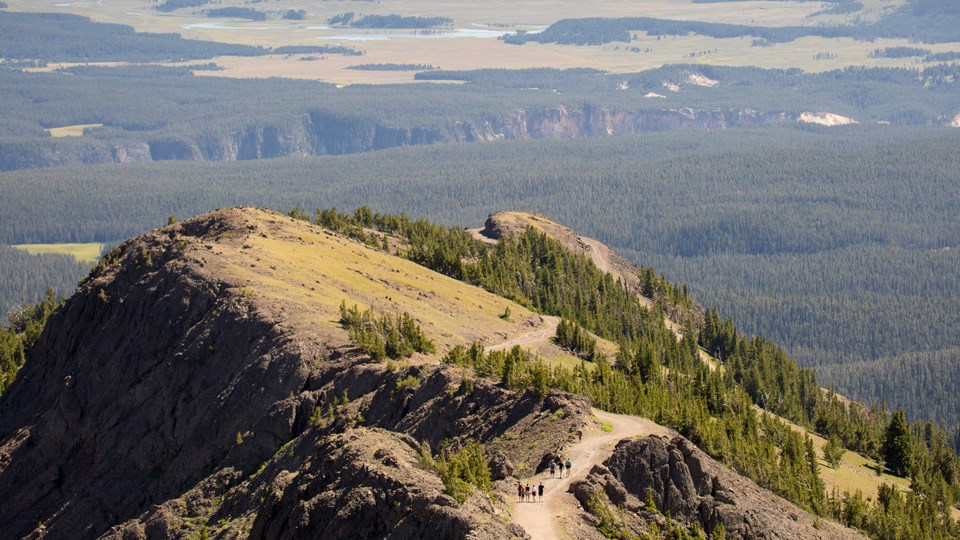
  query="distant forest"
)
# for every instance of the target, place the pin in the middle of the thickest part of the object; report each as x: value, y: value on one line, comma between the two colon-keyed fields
x: 60, y: 37
x: 927, y: 21
x: 389, y: 21
x: 218, y: 118
x: 26, y: 277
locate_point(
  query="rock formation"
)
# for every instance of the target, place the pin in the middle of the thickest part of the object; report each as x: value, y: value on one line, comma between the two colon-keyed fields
x: 692, y: 487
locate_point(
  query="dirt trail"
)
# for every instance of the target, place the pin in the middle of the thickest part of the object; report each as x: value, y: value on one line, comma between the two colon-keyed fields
x: 540, y: 334
x: 551, y: 518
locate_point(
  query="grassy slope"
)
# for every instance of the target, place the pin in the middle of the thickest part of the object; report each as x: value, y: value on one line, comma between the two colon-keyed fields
x: 89, y: 252
x: 855, y: 471
x: 306, y: 271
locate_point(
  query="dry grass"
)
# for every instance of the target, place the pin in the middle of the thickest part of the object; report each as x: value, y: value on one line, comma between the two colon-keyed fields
x: 855, y: 471
x: 305, y: 272
x: 88, y: 253
x: 71, y: 131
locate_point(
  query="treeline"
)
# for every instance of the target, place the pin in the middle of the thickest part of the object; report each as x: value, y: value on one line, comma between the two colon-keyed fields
x: 26, y: 277
x: 598, y: 31
x: 316, y: 49
x: 173, y: 5
x: 237, y: 13
x: 392, y: 67
x: 57, y: 37
x: 20, y: 333
x: 389, y: 21
x: 916, y: 381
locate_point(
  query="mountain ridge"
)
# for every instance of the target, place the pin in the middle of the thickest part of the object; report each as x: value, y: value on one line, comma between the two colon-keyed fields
x: 204, y: 367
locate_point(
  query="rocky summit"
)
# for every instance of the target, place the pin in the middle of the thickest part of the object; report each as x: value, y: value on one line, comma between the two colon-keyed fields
x: 200, y: 384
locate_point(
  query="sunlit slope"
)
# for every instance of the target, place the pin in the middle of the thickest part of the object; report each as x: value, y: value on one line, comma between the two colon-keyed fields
x: 304, y: 272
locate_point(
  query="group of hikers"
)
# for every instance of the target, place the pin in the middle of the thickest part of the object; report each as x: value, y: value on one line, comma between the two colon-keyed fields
x: 554, y: 465
x: 528, y: 493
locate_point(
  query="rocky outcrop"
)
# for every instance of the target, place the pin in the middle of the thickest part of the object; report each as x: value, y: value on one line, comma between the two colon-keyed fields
x: 364, y: 483
x: 321, y: 133
x: 688, y: 485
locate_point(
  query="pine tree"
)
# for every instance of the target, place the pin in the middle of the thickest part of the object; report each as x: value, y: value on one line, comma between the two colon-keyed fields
x: 898, y: 445
x: 833, y: 451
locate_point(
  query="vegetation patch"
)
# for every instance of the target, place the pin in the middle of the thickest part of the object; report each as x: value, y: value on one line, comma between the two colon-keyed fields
x: 385, y: 336
x: 461, y: 470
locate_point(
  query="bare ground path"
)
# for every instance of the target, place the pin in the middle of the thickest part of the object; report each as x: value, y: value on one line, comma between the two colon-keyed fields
x: 550, y: 519
x: 543, y: 333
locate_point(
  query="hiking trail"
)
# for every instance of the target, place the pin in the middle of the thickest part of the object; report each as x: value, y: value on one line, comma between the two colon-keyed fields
x: 536, y: 336
x: 549, y: 519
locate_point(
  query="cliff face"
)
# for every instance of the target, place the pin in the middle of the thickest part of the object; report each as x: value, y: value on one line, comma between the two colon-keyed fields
x: 321, y: 134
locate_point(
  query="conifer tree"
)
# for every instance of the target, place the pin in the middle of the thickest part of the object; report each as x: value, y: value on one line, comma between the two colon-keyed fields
x: 898, y: 445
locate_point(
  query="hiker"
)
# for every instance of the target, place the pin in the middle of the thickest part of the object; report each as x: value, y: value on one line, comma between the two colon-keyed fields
x: 540, y: 490
x: 569, y: 465
x: 529, y: 493
x: 561, y: 469
x: 579, y: 435
x: 553, y: 467
x: 520, y: 491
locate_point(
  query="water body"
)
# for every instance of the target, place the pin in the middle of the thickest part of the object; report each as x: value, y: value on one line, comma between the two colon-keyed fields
x: 226, y: 26
x: 374, y: 35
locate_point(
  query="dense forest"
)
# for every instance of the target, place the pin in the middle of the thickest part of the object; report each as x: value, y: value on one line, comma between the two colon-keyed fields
x: 927, y: 21
x: 59, y: 37
x: 837, y: 258
x: 25, y: 278
x: 237, y: 13
x: 194, y: 118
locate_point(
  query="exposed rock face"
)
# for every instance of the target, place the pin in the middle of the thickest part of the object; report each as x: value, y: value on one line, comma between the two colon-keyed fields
x: 365, y: 483
x: 319, y: 133
x: 693, y: 487
x: 131, y: 153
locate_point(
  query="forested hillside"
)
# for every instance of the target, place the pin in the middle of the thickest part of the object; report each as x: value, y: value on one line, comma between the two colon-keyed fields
x: 840, y: 258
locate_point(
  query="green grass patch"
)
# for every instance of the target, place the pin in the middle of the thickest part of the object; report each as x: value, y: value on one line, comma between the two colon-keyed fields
x: 88, y: 253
